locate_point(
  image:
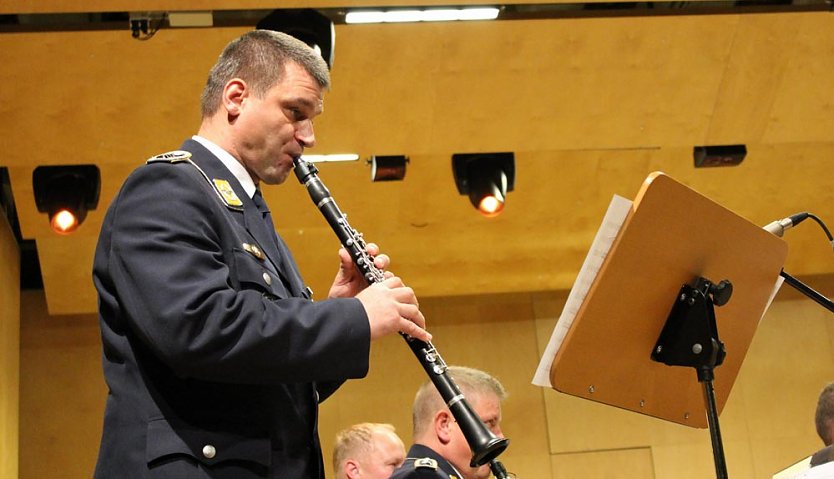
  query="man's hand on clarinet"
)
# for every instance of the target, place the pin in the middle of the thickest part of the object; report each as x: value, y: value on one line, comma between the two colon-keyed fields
x: 390, y: 305
x: 392, y: 308
x: 349, y: 280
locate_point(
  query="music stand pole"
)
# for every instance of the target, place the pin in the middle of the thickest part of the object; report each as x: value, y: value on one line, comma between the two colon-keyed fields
x: 705, y: 377
x: 690, y: 338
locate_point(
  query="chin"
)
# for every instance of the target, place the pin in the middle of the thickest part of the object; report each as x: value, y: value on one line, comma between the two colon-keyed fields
x: 482, y: 472
x: 276, y: 178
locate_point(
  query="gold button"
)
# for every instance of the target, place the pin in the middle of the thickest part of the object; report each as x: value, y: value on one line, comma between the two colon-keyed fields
x: 268, y: 279
x: 209, y: 451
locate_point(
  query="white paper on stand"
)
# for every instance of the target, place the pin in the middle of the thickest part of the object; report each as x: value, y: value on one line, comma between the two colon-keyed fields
x: 612, y: 222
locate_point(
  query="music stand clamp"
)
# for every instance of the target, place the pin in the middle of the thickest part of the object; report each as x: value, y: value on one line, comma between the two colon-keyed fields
x: 690, y: 338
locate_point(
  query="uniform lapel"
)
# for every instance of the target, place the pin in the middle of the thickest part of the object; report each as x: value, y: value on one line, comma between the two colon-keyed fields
x: 268, y: 240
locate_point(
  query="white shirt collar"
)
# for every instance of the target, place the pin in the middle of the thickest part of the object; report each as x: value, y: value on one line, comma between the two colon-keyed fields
x: 229, y: 162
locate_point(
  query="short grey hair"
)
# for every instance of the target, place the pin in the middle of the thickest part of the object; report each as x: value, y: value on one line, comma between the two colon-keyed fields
x: 824, y: 417
x: 472, y: 383
x: 259, y: 58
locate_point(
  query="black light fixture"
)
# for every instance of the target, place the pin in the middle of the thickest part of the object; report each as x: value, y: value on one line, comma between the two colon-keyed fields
x: 486, y: 178
x: 719, y: 155
x: 66, y: 193
x: 388, y: 168
x: 306, y: 24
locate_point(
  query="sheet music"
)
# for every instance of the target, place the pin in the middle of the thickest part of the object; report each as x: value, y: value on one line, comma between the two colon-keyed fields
x: 802, y: 471
x: 612, y: 222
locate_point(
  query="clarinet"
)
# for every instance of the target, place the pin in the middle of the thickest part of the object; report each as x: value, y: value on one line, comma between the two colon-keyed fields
x: 484, y: 444
x: 498, y: 470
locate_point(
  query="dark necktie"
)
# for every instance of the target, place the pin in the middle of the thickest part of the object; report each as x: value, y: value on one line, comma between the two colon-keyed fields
x: 258, y: 199
x: 276, y: 250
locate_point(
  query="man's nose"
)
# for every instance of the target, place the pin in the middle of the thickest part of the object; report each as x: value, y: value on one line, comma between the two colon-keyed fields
x: 305, y: 135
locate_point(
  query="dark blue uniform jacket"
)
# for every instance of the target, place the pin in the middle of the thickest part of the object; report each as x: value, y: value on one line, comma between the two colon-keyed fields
x: 423, y: 463
x: 214, y: 358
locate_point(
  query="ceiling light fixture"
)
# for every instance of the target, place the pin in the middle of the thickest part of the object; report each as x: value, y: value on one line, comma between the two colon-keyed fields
x: 388, y: 168
x: 719, y: 155
x: 66, y: 193
x: 308, y: 25
x: 330, y: 158
x: 425, y: 15
x: 486, y: 178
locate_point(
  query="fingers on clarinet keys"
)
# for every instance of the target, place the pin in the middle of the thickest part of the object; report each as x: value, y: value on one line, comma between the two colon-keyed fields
x: 413, y: 330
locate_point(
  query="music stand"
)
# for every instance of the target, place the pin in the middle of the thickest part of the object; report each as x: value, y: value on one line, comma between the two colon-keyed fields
x: 672, y: 238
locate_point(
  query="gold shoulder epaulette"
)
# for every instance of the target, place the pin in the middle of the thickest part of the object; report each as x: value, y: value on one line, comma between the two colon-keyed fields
x: 175, y: 156
x: 221, y: 187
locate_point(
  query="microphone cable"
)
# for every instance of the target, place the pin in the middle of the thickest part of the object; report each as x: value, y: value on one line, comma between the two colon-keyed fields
x: 778, y: 228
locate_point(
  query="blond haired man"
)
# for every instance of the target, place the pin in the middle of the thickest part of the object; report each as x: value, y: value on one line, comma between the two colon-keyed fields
x: 367, y: 451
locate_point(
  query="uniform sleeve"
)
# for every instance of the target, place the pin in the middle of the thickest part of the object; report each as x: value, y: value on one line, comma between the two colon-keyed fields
x: 170, y: 263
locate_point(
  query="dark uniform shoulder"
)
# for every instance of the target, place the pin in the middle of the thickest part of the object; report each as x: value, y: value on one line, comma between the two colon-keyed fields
x: 420, y: 468
x: 221, y: 186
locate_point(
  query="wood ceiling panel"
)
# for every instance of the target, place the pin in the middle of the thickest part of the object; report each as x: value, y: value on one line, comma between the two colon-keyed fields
x: 589, y: 106
x: 803, y: 109
x: 762, y: 48
x: 601, y: 83
x: 60, y: 6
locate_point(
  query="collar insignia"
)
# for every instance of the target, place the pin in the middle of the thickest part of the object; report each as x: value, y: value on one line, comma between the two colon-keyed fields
x: 254, y: 251
x: 227, y: 192
x: 425, y: 462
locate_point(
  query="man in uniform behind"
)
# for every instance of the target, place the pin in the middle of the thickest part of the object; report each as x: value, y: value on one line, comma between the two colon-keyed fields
x: 367, y: 451
x: 440, y: 449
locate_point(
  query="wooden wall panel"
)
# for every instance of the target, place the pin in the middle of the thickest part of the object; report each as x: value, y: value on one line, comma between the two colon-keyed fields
x: 607, y: 464
x: 767, y: 423
x: 9, y: 350
x: 62, y: 392
x: 790, y: 361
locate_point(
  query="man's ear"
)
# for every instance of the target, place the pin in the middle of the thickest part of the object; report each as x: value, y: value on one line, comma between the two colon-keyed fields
x: 233, y: 95
x: 350, y: 468
x: 443, y: 424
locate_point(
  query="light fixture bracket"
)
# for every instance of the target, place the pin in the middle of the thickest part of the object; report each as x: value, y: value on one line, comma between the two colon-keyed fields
x: 464, y: 165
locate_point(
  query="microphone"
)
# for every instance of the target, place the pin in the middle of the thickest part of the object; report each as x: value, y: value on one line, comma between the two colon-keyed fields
x: 778, y: 227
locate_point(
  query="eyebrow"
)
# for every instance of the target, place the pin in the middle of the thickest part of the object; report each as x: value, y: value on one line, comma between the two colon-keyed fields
x: 318, y: 106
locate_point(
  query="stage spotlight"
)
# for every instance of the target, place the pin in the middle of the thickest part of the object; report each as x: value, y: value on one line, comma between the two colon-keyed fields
x: 308, y: 25
x: 719, y: 155
x: 486, y: 178
x: 66, y: 193
x: 388, y: 168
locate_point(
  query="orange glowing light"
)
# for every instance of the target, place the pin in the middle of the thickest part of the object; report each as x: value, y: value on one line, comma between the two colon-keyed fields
x: 64, y: 222
x: 490, y: 206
